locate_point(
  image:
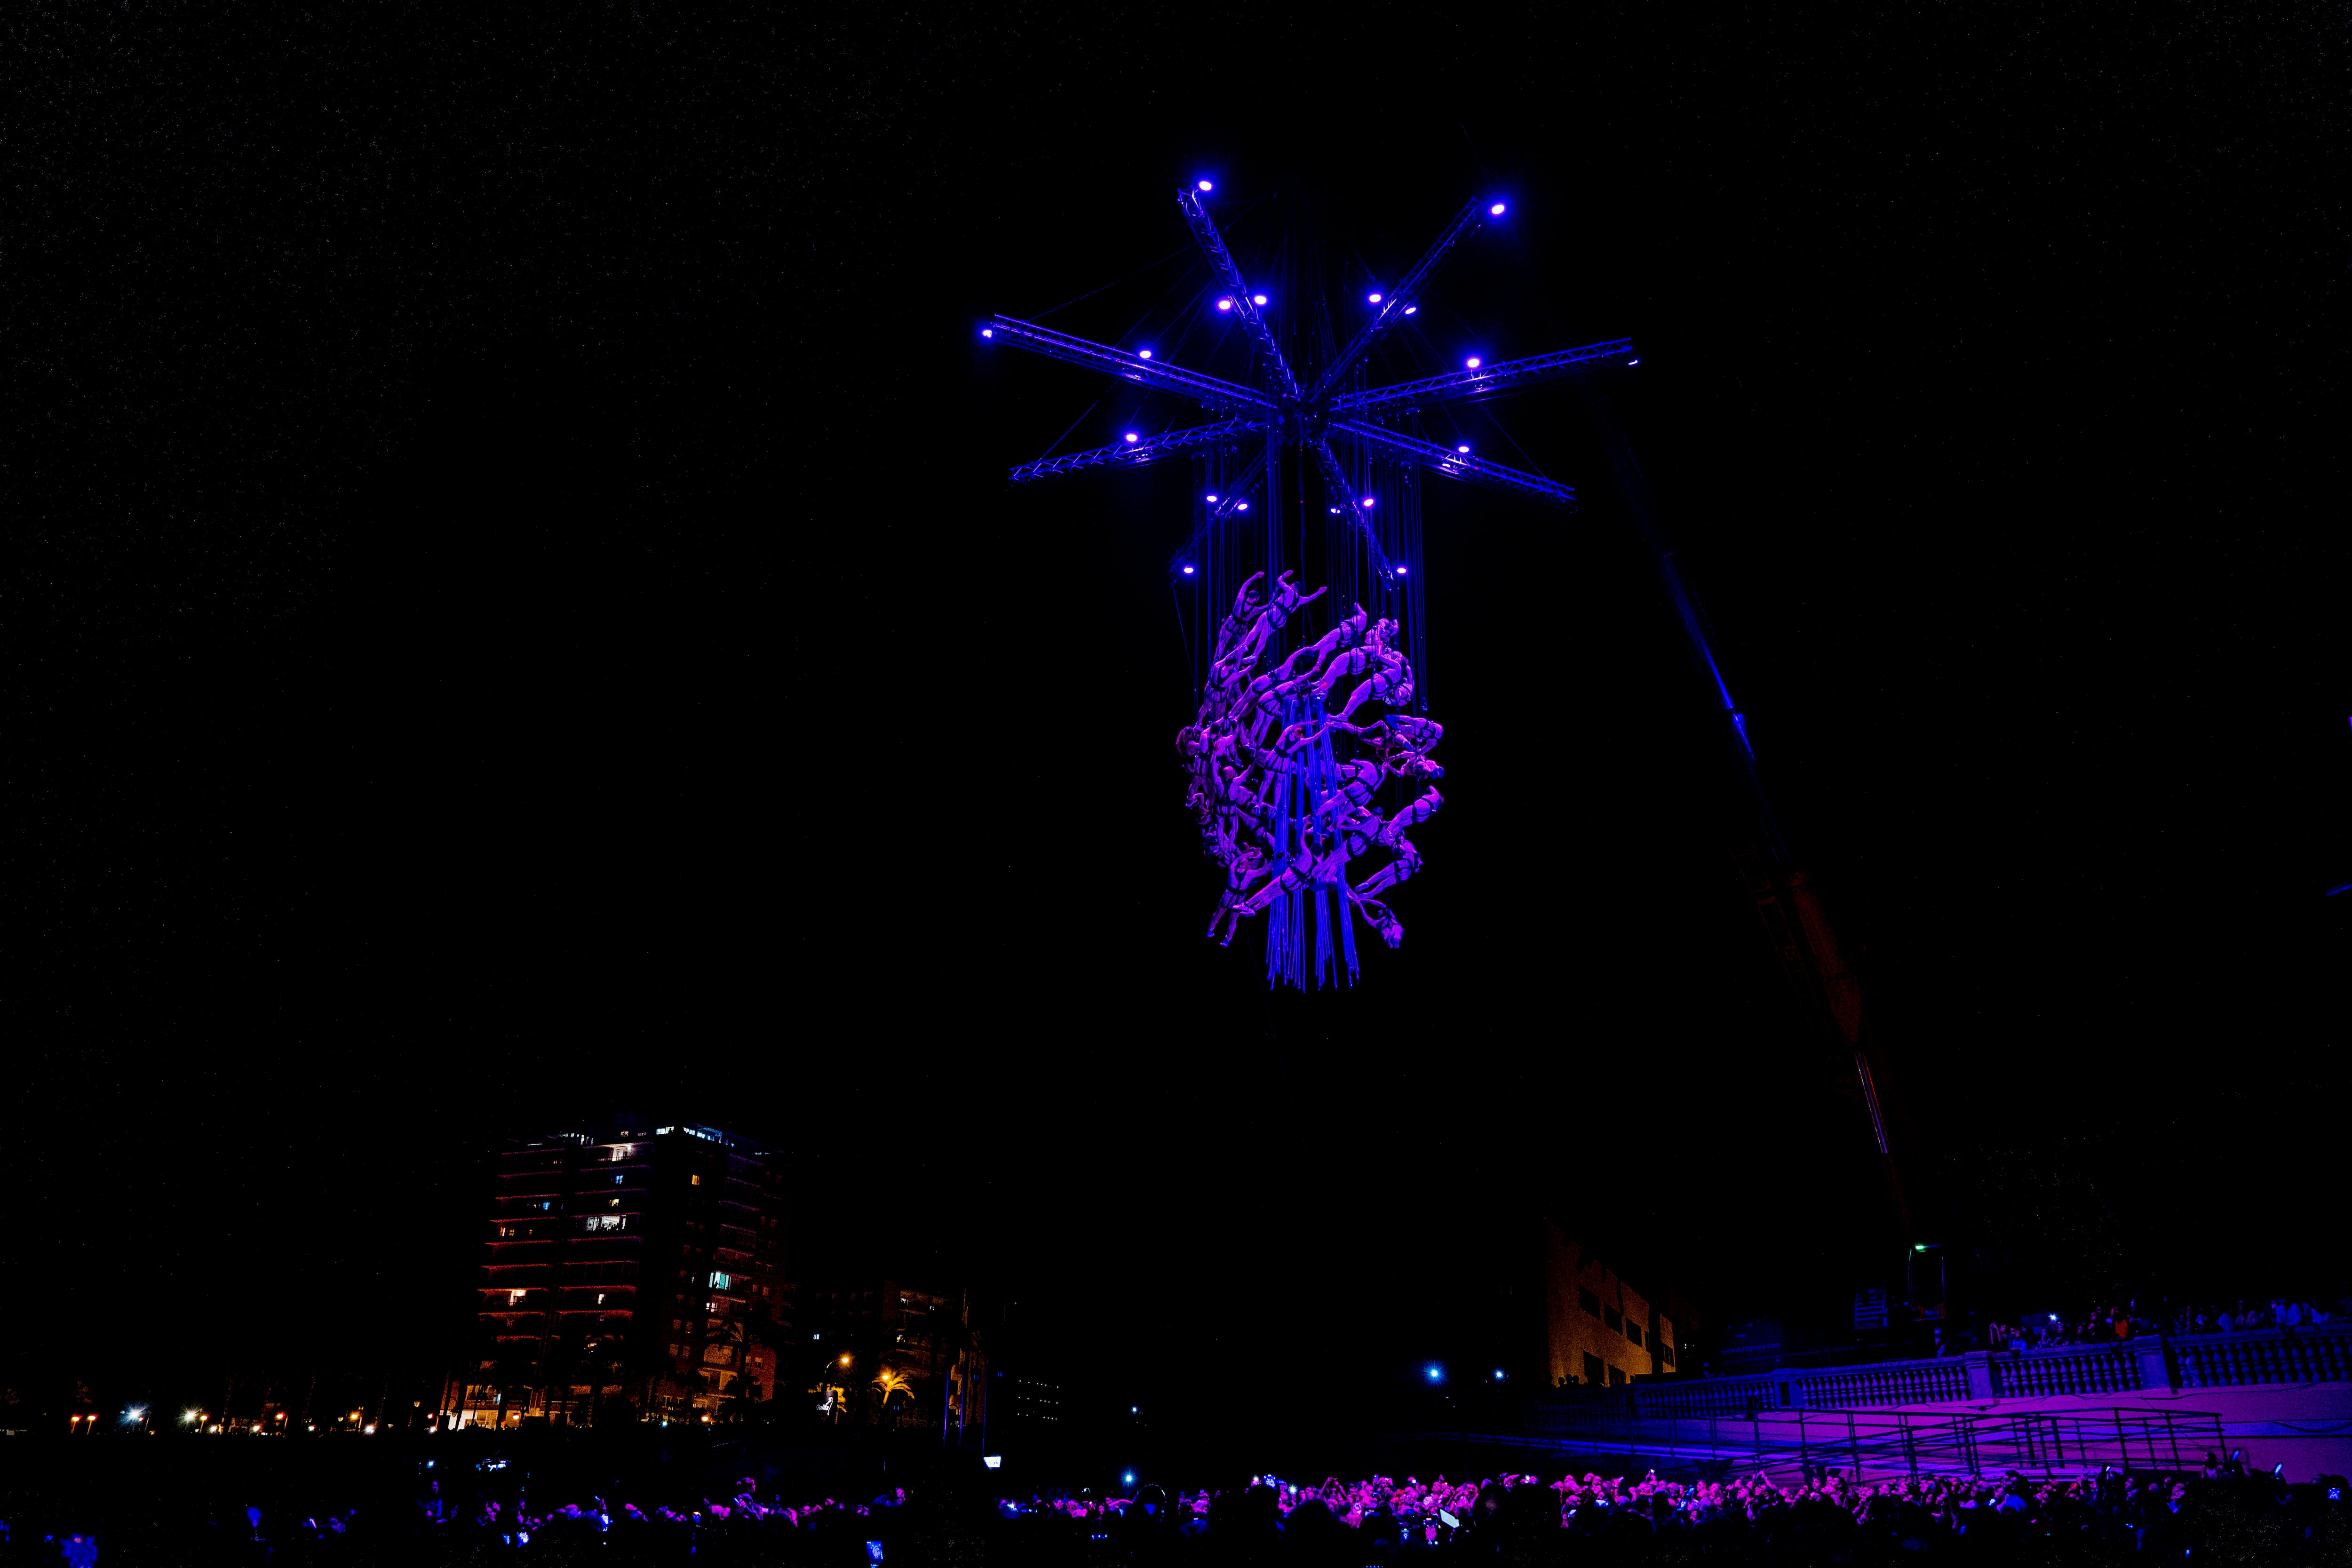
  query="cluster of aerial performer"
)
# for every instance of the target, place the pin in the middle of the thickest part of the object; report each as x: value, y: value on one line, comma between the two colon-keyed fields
x: 1285, y: 763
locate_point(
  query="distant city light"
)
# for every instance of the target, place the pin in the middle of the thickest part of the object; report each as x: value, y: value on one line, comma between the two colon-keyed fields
x: 1371, y: 299
x: 993, y: 1461
x: 1133, y: 437
x: 1472, y: 362
x: 1434, y: 1372
x: 1498, y: 1374
x: 137, y: 1412
x: 1224, y: 304
x: 1257, y: 298
x: 192, y: 1417
x: 1135, y: 1410
x: 1127, y: 1477
x: 1145, y: 354
x: 1496, y: 210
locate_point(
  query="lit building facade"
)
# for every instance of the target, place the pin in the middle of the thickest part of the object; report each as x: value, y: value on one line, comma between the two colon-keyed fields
x: 1600, y: 1331
x: 894, y: 1353
x: 631, y: 1272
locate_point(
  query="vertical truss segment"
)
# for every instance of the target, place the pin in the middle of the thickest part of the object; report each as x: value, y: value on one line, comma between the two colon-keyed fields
x: 1507, y: 375
x: 1345, y: 499
x: 1212, y: 392
x: 1133, y: 454
x: 1229, y: 504
x: 1455, y: 464
x: 1245, y: 302
x: 1404, y: 296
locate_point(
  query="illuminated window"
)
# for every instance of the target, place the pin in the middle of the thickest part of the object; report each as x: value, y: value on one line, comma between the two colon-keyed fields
x: 697, y: 1179
x: 719, y: 1281
x: 514, y: 1298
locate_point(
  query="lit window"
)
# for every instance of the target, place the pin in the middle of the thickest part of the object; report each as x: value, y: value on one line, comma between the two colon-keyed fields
x: 697, y: 1179
x: 719, y: 1281
x: 514, y: 1298
x: 600, y: 1298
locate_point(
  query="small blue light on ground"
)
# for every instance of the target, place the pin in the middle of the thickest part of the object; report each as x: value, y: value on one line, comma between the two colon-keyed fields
x: 1496, y: 210
x: 1434, y: 1372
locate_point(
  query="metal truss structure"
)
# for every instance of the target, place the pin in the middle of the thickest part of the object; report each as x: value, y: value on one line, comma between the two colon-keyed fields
x: 1281, y: 411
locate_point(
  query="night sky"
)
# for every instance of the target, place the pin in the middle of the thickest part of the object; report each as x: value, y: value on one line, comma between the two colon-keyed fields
x: 515, y: 612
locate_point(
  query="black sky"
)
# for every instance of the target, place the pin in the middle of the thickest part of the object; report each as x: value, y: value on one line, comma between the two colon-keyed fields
x: 516, y: 612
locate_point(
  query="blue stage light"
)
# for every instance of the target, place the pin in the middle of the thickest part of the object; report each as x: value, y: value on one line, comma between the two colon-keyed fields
x: 1472, y: 363
x: 1133, y: 437
x: 1633, y: 362
x: 1242, y: 507
x: 1188, y: 571
x: 1368, y: 500
x: 1434, y: 1372
x: 1400, y: 571
x: 988, y: 332
x: 1127, y: 1477
x: 1413, y: 310
x: 1224, y: 304
x: 1461, y: 449
x: 1206, y: 186
x: 1496, y: 210
x: 1257, y: 298
x: 1209, y: 498
x: 1371, y: 299
x: 1498, y: 1374
x: 1143, y: 353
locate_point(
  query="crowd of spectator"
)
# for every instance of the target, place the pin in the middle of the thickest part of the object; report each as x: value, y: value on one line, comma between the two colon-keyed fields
x: 2126, y: 1322
x: 1826, y: 1518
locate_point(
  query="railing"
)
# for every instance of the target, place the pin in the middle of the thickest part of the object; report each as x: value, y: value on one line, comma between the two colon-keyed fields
x: 1888, y: 1383
x: 1895, y: 1442
x: 2265, y: 1356
x: 2150, y: 1363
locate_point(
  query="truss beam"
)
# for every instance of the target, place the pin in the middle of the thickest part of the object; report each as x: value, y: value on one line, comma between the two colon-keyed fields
x: 1134, y: 454
x: 1487, y: 381
x: 1406, y: 295
x: 1211, y: 392
x: 1246, y: 304
x: 1345, y: 499
x: 1457, y: 465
